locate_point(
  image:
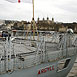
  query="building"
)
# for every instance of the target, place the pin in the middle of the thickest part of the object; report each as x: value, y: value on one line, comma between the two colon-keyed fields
x: 45, y: 24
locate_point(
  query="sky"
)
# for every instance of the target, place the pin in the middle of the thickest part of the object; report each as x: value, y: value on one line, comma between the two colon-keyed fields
x: 60, y: 10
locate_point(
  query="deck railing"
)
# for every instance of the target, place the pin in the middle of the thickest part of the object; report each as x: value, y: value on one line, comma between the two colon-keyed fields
x: 41, y: 55
x: 17, y: 63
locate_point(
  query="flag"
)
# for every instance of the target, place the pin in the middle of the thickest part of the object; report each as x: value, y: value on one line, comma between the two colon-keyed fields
x: 19, y: 1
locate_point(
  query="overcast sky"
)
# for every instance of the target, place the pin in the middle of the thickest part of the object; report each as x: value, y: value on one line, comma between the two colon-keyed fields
x: 60, y: 10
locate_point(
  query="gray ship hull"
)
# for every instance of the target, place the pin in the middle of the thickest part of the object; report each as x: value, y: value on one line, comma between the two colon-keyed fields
x: 44, y: 70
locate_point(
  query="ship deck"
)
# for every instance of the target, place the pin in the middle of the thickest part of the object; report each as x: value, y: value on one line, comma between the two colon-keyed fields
x: 28, y: 53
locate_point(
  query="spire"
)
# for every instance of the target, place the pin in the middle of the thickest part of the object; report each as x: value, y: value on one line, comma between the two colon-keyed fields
x: 38, y: 19
x: 43, y: 19
x: 52, y: 20
x: 47, y: 18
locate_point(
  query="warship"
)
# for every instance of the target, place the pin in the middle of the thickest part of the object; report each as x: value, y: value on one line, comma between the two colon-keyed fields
x: 46, y: 56
x: 50, y: 56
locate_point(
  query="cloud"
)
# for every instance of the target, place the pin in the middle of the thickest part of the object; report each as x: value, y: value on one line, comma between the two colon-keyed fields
x: 61, y: 10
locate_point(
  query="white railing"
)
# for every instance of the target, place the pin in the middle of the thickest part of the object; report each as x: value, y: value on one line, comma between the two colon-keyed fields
x: 45, y: 55
x: 17, y: 64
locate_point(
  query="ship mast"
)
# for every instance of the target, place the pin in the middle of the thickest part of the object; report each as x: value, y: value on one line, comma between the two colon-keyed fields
x: 33, y: 8
x: 34, y: 24
x: 33, y: 21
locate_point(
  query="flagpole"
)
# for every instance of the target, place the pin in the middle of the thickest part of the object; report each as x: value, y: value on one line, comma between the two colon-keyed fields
x: 33, y: 9
x: 34, y: 24
x: 33, y: 21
